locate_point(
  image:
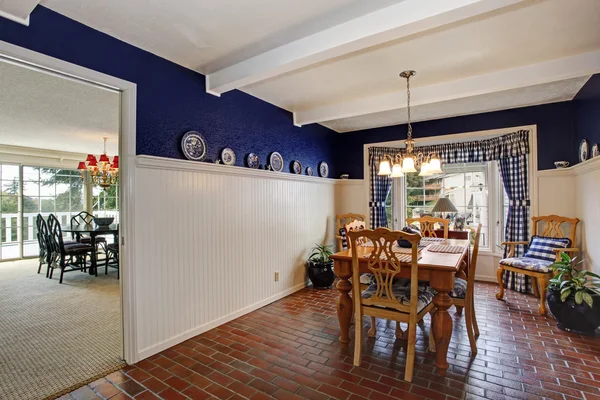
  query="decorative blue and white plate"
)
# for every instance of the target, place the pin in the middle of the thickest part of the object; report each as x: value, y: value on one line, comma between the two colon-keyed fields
x: 296, y: 167
x: 194, y: 146
x: 583, y: 150
x: 252, y: 161
x: 276, y: 161
x: 323, y: 169
x: 309, y: 171
x: 595, y: 150
x: 228, y: 156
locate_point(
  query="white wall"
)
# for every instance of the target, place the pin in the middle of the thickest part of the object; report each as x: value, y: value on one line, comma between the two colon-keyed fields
x: 209, y: 239
x: 587, y: 194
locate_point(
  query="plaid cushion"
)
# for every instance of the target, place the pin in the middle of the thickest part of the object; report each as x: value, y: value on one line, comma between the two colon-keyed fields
x: 460, y: 289
x: 531, y: 264
x: 344, y: 240
x: 541, y: 247
x: 402, y: 294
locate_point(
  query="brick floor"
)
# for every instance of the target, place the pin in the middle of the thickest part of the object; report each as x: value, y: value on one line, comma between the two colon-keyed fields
x: 289, y: 350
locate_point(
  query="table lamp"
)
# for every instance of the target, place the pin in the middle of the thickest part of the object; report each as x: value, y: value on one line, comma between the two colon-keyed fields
x: 444, y: 205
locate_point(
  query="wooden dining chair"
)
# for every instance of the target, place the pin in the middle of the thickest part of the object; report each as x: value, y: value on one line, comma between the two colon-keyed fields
x: 66, y: 258
x: 355, y: 226
x: 542, y: 251
x: 340, y: 221
x: 386, y: 298
x: 463, y: 296
x: 427, y: 225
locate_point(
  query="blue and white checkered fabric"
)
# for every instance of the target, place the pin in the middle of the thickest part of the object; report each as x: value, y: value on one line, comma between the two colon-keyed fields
x: 380, y: 187
x: 542, y: 247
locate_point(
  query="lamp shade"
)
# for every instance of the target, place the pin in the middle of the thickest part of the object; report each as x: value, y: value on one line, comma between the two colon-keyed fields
x: 81, y: 165
x: 104, y: 158
x: 384, y: 168
x: 435, y: 166
x: 408, y: 164
x: 425, y: 170
x: 397, y: 171
x: 444, y: 205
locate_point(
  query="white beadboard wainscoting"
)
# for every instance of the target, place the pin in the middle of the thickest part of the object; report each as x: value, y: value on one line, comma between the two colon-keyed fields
x: 575, y: 192
x: 209, y: 239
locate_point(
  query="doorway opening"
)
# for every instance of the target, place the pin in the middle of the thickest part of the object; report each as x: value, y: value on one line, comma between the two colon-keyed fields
x: 63, y: 330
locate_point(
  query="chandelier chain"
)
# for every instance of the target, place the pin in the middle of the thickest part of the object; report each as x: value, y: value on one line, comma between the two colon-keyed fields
x: 408, y: 106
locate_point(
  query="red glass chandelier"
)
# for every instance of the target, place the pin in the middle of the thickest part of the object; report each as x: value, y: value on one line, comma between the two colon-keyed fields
x: 101, y: 171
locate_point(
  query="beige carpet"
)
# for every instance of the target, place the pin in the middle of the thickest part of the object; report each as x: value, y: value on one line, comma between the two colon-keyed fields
x: 53, y: 336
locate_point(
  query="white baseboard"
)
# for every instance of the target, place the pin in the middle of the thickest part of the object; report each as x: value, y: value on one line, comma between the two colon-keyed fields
x: 157, y: 348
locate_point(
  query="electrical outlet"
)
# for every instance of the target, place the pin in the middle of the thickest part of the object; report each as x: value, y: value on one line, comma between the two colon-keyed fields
x: 277, y: 276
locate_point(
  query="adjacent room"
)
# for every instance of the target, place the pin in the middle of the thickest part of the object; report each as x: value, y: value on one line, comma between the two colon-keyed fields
x: 287, y: 199
x: 60, y: 303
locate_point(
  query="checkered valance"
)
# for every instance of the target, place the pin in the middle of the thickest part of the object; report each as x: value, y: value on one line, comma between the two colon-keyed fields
x: 497, y: 148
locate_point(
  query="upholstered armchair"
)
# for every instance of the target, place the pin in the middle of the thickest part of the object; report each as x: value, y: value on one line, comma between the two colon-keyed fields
x: 542, y: 251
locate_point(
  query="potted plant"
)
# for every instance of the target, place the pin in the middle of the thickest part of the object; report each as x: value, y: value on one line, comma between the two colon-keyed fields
x: 574, y: 297
x: 320, y: 267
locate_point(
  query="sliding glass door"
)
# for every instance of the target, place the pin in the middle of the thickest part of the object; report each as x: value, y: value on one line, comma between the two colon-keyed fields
x: 27, y: 191
x: 10, y: 212
x: 49, y: 191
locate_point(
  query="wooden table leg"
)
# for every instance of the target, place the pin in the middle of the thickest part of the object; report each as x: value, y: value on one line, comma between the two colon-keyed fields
x: 344, y: 307
x: 443, y: 283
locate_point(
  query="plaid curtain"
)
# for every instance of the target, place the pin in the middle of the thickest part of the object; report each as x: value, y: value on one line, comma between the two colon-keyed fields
x: 510, y: 145
x: 514, y: 174
x: 380, y: 187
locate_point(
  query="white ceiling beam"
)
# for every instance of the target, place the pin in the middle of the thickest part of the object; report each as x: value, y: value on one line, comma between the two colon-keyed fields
x: 406, y: 18
x: 17, y: 10
x: 549, y: 71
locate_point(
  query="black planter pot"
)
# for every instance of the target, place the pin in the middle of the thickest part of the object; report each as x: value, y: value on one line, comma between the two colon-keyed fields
x: 321, y: 274
x: 572, y: 317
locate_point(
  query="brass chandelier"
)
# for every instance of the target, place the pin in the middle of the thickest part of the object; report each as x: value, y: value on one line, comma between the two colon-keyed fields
x: 101, y: 172
x: 409, y: 162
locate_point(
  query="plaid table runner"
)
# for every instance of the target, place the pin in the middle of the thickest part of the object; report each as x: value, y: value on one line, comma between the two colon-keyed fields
x: 445, y: 248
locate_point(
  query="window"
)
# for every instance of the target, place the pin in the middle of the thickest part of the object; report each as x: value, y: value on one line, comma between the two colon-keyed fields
x: 49, y: 191
x: 464, y: 184
x: 474, y: 189
x: 106, y: 202
x: 10, y: 199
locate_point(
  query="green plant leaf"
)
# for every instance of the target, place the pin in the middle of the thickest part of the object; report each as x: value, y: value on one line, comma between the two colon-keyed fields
x: 565, y: 294
x: 588, y: 299
x: 593, y: 274
x: 579, y: 296
x: 565, y: 257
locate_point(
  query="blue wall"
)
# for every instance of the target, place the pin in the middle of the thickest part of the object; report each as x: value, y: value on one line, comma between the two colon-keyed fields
x: 555, y: 128
x: 172, y: 99
x: 587, y: 113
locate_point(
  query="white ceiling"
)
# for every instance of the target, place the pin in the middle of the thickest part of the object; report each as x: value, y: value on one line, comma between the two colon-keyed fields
x: 52, y: 113
x: 336, y: 62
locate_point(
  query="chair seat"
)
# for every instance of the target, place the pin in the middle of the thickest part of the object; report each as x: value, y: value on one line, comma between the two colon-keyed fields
x: 87, y: 239
x: 527, y: 263
x: 460, y: 289
x: 402, y: 293
x: 69, y: 242
x: 77, y: 248
x: 114, y: 247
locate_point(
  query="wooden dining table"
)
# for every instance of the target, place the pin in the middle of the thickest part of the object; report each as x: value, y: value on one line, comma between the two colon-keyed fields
x: 439, y: 269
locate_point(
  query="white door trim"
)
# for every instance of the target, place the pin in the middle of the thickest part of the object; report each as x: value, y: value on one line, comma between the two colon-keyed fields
x: 127, y: 151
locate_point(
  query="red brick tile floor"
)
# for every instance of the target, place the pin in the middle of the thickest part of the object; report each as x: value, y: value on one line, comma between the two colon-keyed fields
x: 290, y: 350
